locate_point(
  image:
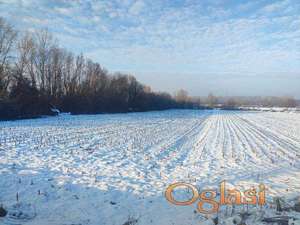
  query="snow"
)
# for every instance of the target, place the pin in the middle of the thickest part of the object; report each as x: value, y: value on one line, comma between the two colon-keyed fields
x: 55, y: 110
x: 113, y: 169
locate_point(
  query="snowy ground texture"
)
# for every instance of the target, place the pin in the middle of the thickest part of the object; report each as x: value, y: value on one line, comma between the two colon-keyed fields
x: 114, y: 169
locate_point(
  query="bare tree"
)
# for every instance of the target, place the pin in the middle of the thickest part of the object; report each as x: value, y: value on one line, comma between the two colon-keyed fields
x: 212, y: 100
x: 182, y: 96
x: 25, y: 58
x: 135, y: 89
x: 7, y: 38
x: 289, y: 102
x: 230, y: 103
x: 43, y: 52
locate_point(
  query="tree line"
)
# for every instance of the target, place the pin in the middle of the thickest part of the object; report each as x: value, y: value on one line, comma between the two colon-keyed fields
x: 36, y: 75
x: 252, y: 101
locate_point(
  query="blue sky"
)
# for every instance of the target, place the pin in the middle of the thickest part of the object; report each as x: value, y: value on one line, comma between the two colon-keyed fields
x: 228, y: 47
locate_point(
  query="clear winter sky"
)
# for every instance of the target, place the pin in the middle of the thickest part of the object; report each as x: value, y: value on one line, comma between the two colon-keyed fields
x: 228, y: 47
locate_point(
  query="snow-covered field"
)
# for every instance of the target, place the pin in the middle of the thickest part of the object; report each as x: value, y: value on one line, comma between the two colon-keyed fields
x: 114, y: 169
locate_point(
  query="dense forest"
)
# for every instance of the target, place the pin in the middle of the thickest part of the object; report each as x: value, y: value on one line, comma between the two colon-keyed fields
x: 37, y: 76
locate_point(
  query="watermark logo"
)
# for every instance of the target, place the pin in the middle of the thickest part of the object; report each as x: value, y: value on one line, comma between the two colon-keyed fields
x: 209, y: 200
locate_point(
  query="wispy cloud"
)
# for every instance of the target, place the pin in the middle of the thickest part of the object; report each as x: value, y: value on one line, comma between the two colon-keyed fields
x: 187, y: 37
